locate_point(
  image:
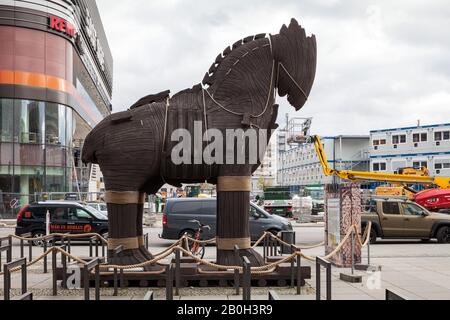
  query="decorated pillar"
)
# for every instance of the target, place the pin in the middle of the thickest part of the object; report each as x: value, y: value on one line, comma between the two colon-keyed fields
x: 343, y: 209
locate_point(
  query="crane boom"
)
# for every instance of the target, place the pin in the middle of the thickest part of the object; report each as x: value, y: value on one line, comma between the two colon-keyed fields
x: 441, y: 182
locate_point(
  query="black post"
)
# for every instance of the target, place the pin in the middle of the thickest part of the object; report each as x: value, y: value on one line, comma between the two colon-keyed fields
x: 22, y: 263
x: 318, y: 283
x: 247, y: 279
x: 22, y: 253
x: 55, y: 285
x: 292, y: 266
x: 9, y: 252
x: 64, y: 267
x: 90, y: 247
x: 97, y: 280
x: 236, y: 271
x: 116, y: 289
x: 327, y: 265
x: 299, y: 274
x: 96, y: 246
x: 264, y: 247
x: 30, y: 250
x: 45, y: 257
x: 169, y: 282
x: 177, y: 273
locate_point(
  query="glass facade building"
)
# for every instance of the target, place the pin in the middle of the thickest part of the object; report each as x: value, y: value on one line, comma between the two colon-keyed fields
x: 55, y: 86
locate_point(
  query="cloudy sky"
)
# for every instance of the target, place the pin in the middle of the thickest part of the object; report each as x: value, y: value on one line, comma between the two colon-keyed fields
x: 381, y: 64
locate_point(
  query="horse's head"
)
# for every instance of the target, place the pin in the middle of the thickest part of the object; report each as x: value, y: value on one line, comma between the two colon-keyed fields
x: 296, y: 57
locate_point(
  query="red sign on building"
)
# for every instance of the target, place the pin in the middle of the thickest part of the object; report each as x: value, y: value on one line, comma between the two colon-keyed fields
x: 59, y: 24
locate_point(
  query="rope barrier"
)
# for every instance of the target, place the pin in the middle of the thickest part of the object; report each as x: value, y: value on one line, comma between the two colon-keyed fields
x: 63, y: 235
x: 254, y: 270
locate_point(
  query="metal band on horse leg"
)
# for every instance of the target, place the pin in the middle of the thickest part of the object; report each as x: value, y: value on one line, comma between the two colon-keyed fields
x: 127, y: 243
x: 234, y: 184
x: 229, y: 243
x: 124, y: 198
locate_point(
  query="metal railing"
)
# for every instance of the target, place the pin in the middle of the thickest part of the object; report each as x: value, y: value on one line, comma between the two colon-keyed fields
x: 6, y: 248
x: 247, y: 279
x: 87, y: 268
x: 22, y: 263
x: 320, y: 262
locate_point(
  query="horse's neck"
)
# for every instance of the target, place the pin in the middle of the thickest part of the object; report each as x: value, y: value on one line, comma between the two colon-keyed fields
x: 247, y: 91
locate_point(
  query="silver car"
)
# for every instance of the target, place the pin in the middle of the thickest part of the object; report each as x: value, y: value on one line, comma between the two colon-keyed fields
x: 100, y: 206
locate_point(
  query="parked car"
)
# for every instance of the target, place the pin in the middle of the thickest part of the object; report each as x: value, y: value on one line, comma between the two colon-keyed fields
x: 404, y: 219
x: 99, y: 206
x: 179, y: 213
x: 65, y: 217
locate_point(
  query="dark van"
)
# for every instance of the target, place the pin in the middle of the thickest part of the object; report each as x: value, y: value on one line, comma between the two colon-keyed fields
x: 65, y: 217
x: 179, y: 213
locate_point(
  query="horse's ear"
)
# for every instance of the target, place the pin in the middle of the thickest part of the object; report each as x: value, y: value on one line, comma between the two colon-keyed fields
x: 284, y: 29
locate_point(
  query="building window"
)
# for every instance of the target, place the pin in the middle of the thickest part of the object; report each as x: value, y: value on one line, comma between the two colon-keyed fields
x: 442, y: 165
x: 443, y: 135
x: 420, y: 164
x: 420, y: 137
x: 376, y: 142
x: 379, y: 167
x: 397, y: 139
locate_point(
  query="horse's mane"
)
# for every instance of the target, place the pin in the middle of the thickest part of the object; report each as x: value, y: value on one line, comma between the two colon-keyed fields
x: 210, y: 76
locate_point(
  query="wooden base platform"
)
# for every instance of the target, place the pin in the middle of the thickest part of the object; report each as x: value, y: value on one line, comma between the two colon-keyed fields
x: 194, y: 275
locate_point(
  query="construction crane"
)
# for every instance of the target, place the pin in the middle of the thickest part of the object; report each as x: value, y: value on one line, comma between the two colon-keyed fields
x: 396, y: 179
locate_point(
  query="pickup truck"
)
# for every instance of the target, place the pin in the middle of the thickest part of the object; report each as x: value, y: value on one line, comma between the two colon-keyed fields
x: 404, y: 219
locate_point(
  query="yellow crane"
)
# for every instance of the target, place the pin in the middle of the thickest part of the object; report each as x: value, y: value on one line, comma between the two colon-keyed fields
x: 396, y: 179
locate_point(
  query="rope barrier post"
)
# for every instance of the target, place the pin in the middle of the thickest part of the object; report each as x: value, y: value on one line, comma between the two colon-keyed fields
x: 103, y: 247
x: 146, y: 240
x: 293, y: 250
x: 177, y: 272
x: 97, y: 280
x: 116, y: 289
x: 264, y: 247
x: 55, y: 287
x: 90, y: 247
x: 22, y: 263
x: 64, y: 268
x: 236, y: 271
x: 30, y: 250
x: 69, y: 248
x: 353, y: 253
x: 115, y: 254
x: 9, y: 252
x: 327, y: 265
x: 299, y: 273
x: 88, y: 267
x: 22, y: 253
x: 368, y: 253
x: 45, y: 244
x: 96, y: 246
x: 247, y: 280
x: 169, y: 283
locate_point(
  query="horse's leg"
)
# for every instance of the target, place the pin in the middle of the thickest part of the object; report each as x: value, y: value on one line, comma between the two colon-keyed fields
x: 233, y: 207
x: 124, y: 208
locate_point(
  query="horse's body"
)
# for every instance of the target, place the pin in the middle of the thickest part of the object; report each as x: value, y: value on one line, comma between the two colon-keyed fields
x: 133, y: 148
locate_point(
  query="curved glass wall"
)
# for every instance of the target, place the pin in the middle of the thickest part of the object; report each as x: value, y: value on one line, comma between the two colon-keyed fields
x: 36, y: 147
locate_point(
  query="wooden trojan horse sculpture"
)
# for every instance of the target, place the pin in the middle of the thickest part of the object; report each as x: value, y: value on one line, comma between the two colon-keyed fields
x: 135, y: 149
